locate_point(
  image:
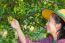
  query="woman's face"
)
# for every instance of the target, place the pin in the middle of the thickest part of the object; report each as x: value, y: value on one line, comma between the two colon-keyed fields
x: 52, y: 27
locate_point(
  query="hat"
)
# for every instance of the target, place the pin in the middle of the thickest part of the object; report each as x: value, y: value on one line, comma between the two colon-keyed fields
x: 47, y: 12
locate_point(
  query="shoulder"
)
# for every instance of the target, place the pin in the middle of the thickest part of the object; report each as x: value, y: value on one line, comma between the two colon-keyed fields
x: 61, y: 41
x: 44, y: 40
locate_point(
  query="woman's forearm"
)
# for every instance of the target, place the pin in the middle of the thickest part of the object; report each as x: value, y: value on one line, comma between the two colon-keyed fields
x: 15, y: 24
x: 21, y: 36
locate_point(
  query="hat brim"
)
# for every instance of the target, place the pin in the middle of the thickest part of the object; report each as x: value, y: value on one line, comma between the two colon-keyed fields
x: 46, y: 13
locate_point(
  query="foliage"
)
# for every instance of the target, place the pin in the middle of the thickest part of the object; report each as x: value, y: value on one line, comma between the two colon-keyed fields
x: 28, y: 13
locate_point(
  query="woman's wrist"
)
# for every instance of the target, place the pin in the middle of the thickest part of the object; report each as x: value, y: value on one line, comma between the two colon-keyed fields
x: 21, y: 35
x: 18, y: 28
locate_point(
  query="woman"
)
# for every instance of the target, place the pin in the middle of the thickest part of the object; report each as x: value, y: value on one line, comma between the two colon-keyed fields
x: 55, y: 28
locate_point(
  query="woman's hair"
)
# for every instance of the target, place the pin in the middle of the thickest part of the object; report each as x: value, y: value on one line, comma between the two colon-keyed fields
x: 58, y: 20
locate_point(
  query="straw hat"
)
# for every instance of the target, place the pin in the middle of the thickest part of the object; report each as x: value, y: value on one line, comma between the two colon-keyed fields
x: 47, y: 12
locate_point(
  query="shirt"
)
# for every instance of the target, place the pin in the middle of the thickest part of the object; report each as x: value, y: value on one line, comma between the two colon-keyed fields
x: 49, y: 39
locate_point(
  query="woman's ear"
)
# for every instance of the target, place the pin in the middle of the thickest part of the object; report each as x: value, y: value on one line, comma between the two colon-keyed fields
x: 58, y: 26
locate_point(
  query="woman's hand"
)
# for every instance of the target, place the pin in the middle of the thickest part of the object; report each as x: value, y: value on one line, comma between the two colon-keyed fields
x: 15, y: 24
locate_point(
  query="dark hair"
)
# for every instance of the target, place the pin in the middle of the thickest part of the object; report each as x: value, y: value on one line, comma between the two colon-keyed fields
x: 58, y: 19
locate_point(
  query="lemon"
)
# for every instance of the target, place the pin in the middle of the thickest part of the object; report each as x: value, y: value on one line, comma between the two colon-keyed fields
x: 10, y: 18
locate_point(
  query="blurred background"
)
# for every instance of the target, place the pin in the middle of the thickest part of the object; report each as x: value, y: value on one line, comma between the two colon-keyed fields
x: 28, y: 13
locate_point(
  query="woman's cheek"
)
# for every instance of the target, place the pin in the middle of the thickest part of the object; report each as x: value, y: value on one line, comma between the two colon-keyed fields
x: 49, y: 28
x: 52, y: 28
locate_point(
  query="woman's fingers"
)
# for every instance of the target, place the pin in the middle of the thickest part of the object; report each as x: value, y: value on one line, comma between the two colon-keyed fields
x: 15, y: 24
